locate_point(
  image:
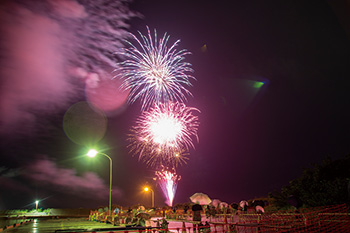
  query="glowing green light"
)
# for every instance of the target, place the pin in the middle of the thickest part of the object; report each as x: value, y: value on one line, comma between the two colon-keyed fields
x: 258, y: 84
x: 92, y: 153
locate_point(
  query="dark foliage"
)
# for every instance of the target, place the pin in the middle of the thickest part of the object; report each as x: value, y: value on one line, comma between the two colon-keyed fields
x: 324, y: 184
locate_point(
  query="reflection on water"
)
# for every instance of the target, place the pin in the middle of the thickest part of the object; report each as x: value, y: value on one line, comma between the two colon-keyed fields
x: 10, y: 221
x: 35, y: 226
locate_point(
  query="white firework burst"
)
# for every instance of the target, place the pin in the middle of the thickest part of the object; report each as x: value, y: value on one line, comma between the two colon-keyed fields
x: 153, y: 72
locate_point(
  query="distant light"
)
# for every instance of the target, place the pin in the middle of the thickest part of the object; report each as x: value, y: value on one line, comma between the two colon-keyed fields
x: 146, y: 189
x: 258, y: 84
x: 36, y: 202
x: 92, y: 153
x: 204, y: 48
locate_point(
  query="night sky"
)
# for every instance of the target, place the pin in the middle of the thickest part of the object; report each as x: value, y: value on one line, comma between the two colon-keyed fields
x: 272, y: 84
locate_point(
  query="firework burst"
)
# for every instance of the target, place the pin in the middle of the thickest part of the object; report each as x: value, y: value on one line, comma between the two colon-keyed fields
x: 163, y: 135
x: 152, y: 156
x: 168, y: 183
x: 153, y: 72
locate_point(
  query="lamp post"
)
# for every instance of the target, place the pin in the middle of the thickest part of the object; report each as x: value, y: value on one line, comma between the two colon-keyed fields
x: 146, y: 190
x: 36, y: 204
x: 93, y: 153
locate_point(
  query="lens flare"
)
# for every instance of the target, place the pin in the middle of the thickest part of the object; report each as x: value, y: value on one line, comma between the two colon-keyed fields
x: 163, y: 135
x: 168, y: 183
x: 153, y: 72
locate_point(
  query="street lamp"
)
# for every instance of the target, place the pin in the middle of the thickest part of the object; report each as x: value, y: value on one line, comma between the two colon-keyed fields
x: 146, y: 189
x: 92, y: 153
x: 36, y: 204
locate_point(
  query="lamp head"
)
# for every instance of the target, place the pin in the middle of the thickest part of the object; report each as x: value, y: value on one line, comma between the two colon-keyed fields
x: 92, y: 153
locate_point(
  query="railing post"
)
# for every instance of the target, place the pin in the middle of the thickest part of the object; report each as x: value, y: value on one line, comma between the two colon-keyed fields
x: 183, y: 227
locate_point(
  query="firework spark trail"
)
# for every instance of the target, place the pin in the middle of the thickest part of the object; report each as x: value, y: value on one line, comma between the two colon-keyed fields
x: 152, y: 156
x: 154, y: 73
x: 163, y: 135
x: 168, y: 183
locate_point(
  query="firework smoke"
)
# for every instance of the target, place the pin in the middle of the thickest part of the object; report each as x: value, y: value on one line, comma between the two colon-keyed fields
x: 51, y: 50
x: 153, y: 72
x: 46, y: 45
x: 168, y: 183
x: 163, y: 135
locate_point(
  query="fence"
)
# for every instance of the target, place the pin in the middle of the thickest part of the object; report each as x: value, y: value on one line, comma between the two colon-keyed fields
x: 319, y: 219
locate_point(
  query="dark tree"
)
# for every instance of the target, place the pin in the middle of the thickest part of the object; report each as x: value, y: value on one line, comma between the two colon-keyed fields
x: 323, y: 184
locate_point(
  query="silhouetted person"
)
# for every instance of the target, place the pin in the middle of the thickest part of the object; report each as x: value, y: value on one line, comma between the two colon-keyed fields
x: 186, y: 208
x: 197, y: 209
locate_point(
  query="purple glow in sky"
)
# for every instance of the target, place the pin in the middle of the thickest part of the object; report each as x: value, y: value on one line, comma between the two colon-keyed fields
x: 53, y: 49
x: 56, y: 182
x: 253, y: 138
x: 51, y: 52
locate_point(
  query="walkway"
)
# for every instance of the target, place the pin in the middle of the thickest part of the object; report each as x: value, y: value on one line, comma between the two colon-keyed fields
x: 51, y: 225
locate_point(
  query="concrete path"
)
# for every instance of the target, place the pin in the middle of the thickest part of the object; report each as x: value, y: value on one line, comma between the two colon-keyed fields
x: 83, y: 225
x: 51, y: 225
